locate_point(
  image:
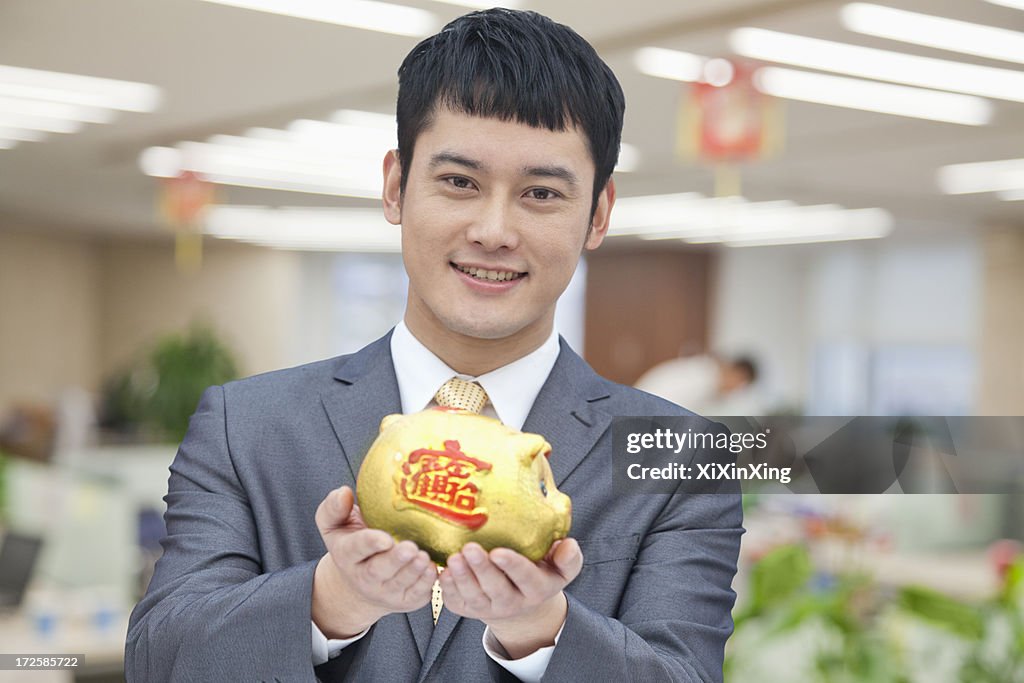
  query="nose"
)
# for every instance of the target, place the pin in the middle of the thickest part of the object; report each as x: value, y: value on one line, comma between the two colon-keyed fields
x: 493, y: 228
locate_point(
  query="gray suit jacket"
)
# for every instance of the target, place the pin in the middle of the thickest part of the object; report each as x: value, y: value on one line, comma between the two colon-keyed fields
x: 230, y: 598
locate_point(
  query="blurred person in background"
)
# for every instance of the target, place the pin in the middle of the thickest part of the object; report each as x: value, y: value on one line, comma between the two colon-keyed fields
x: 509, y: 128
x: 707, y: 384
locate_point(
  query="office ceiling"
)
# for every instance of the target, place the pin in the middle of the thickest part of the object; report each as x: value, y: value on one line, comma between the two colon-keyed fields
x: 224, y: 69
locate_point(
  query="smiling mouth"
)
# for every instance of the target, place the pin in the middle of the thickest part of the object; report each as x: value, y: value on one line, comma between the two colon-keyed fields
x: 489, y: 275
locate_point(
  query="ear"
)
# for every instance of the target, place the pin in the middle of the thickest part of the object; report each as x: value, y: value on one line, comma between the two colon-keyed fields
x: 393, y: 188
x: 390, y: 420
x: 532, y: 445
x: 602, y: 216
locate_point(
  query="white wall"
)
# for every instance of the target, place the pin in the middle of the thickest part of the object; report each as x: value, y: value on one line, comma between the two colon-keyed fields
x: 800, y: 309
x: 72, y: 310
x: 759, y: 307
x: 49, y: 315
x: 246, y: 293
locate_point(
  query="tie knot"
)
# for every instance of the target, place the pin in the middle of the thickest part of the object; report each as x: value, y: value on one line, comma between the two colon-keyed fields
x: 458, y: 393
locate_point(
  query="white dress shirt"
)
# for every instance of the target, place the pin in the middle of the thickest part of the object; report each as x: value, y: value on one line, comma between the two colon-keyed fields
x: 512, y: 389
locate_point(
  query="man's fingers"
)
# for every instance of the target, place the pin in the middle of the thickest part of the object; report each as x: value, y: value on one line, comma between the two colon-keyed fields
x: 459, y: 584
x: 491, y: 578
x: 410, y: 573
x: 362, y: 545
x: 526, y: 576
x: 334, y: 509
x: 562, y: 564
x: 383, y: 566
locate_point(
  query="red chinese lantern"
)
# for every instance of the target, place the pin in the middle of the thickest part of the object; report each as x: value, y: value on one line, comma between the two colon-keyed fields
x: 183, y: 202
x: 726, y: 120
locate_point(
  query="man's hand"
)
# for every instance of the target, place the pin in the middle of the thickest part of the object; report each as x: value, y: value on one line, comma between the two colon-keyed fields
x: 365, y: 574
x: 520, y: 600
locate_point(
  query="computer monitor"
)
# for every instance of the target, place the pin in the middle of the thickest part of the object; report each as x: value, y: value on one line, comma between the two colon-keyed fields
x: 18, y: 555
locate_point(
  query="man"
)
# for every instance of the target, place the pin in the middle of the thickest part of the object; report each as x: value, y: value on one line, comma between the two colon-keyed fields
x: 508, y: 129
x: 706, y: 384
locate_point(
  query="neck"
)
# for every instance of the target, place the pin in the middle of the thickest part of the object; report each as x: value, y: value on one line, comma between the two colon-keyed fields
x: 475, y: 356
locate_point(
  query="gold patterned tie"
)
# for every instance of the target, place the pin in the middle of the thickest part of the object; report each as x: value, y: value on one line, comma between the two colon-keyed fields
x: 436, y: 598
x: 455, y: 393
x: 458, y: 393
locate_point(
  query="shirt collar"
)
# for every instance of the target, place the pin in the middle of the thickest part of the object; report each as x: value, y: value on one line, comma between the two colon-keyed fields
x: 511, y: 388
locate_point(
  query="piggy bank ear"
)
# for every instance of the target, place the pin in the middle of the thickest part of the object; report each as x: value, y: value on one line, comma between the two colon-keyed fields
x: 389, y: 420
x: 532, y: 445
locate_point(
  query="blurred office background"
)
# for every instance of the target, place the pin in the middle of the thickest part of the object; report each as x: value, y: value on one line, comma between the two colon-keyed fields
x: 831, y: 189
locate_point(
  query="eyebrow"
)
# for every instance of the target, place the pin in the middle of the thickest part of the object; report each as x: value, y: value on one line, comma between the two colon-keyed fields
x: 560, y: 172
x: 453, y: 158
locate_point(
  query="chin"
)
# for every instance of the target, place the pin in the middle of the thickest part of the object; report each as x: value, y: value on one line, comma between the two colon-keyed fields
x: 483, y: 329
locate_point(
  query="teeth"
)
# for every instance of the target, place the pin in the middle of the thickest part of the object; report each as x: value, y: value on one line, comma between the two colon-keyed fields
x: 494, y: 275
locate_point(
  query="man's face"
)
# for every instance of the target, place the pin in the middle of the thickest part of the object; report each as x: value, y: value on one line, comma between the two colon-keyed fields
x: 494, y: 217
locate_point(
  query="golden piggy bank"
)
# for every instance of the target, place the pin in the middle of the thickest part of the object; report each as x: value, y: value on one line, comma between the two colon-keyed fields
x: 443, y: 477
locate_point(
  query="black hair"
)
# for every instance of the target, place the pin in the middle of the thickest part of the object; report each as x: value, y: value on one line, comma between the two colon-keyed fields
x: 748, y: 366
x: 514, y: 66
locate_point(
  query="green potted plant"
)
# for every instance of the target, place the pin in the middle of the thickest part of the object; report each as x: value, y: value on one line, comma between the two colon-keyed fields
x: 154, y: 398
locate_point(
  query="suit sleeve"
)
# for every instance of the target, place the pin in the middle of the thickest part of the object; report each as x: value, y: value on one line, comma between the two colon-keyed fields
x: 675, y: 612
x: 211, y: 612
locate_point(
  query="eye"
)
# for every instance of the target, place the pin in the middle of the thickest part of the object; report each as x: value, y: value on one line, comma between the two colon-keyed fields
x: 459, y: 182
x: 543, y: 488
x: 541, y: 193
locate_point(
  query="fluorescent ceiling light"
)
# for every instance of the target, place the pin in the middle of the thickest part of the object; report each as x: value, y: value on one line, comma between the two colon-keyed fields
x: 365, y: 119
x: 645, y: 214
x: 356, y: 141
x: 809, y: 238
x: 882, y: 65
x: 932, y: 31
x: 332, y: 160
x: 54, y: 110
x: 311, y: 229
x: 982, y: 176
x: 885, y: 98
x: 734, y: 220
x: 365, y: 14
x: 89, y: 91
x: 247, y: 161
x: 39, y: 123
x: 718, y: 72
x: 161, y: 162
x: 318, y: 157
x: 291, y: 183
x: 21, y: 134
x: 227, y: 167
x: 34, y: 101
x: 671, y: 64
x: 1015, y: 4
x: 481, y: 4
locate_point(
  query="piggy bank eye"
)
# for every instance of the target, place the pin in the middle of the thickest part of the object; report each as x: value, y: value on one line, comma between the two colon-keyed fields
x: 543, y: 488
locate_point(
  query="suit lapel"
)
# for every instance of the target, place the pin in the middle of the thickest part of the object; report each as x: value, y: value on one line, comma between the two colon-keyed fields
x: 364, y: 391
x: 565, y: 414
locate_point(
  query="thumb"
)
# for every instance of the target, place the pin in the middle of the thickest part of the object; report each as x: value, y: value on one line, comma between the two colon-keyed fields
x: 334, y: 509
x: 568, y: 558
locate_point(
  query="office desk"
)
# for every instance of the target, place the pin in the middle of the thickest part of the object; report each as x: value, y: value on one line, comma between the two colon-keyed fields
x: 103, y: 650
